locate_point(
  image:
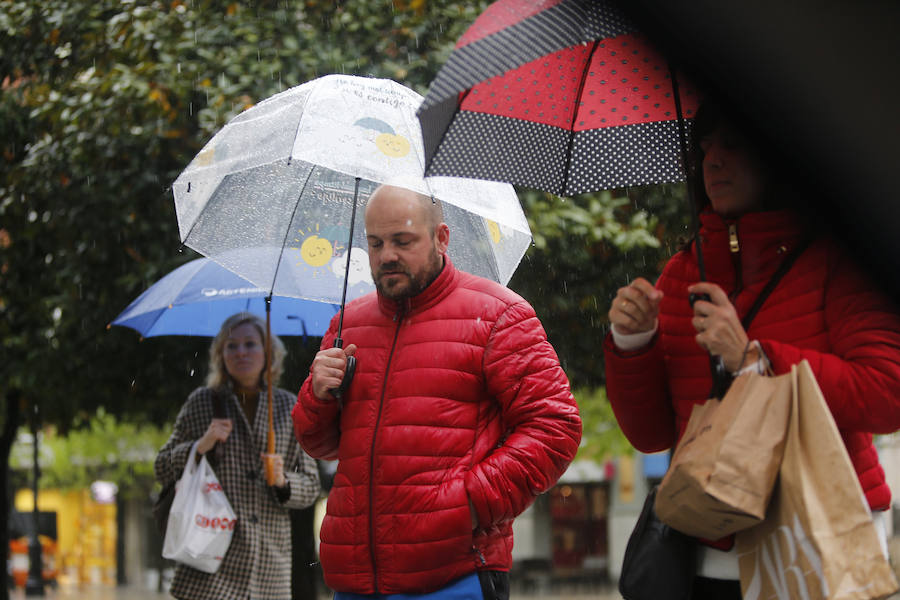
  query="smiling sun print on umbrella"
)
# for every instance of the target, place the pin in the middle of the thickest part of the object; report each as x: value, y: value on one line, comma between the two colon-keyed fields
x: 317, y: 246
x: 314, y: 250
x: 322, y: 249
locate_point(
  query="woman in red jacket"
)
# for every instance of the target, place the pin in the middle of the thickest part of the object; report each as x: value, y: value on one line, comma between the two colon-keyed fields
x: 824, y: 310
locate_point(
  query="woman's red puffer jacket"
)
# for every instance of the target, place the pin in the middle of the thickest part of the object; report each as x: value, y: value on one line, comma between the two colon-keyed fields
x: 824, y: 310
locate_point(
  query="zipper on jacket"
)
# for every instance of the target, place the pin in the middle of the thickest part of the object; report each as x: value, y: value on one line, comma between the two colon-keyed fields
x: 398, y: 318
x: 734, y: 245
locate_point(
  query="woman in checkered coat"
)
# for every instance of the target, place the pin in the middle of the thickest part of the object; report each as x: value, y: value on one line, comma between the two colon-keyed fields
x: 258, y: 562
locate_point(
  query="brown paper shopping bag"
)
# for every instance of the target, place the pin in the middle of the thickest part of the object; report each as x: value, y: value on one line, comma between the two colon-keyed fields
x: 723, y: 470
x: 818, y: 540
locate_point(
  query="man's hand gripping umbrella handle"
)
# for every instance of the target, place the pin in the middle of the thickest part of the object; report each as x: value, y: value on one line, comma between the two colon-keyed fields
x: 349, y: 372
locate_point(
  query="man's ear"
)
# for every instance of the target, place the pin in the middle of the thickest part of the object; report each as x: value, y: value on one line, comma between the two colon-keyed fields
x: 442, y: 237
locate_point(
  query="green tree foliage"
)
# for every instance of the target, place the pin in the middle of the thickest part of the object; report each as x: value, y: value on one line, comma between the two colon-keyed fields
x: 102, y: 447
x: 585, y: 249
x: 601, y: 438
x: 103, y: 104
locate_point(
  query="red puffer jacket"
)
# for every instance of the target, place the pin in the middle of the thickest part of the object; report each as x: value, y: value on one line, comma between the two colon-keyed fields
x: 824, y: 311
x: 458, y: 398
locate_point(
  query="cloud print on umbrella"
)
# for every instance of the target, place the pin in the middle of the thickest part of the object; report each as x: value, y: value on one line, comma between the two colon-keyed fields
x: 387, y: 140
x: 359, y: 271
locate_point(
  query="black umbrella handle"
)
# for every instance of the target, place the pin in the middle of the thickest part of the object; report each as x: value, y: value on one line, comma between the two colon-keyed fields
x: 692, y: 298
x: 721, y: 378
x: 349, y: 372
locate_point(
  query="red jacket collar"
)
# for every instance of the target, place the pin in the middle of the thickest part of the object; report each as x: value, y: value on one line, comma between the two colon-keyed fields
x: 430, y: 296
x: 764, y: 239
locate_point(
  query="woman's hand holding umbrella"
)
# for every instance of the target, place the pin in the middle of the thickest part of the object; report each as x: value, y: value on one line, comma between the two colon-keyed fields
x: 328, y: 369
x: 635, y: 307
x: 719, y: 330
x: 275, y: 462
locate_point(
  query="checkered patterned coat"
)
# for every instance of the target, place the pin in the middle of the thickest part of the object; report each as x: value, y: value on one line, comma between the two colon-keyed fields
x: 258, y: 562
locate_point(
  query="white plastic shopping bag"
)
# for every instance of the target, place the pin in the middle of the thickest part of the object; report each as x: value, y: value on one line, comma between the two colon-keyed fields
x: 201, y: 521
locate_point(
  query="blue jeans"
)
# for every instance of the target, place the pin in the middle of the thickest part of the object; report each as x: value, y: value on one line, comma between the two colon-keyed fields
x: 465, y: 588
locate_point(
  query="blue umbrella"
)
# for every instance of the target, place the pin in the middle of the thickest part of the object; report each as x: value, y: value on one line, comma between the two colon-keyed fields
x: 197, y: 297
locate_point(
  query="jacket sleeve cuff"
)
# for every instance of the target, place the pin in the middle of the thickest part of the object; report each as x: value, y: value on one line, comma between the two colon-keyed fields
x: 630, y: 342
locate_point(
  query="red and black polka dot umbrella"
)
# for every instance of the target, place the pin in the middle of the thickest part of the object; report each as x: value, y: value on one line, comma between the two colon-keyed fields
x: 560, y: 95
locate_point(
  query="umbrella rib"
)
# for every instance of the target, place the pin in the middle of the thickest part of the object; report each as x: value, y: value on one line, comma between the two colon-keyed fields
x: 287, y: 231
x: 571, y: 140
x: 688, y: 176
x: 347, y: 265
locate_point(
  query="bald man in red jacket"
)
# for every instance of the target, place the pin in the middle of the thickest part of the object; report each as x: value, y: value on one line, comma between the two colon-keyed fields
x: 458, y: 416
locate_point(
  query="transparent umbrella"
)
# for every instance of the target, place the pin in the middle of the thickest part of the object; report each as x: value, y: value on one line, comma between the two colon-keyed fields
x: 273, y: 196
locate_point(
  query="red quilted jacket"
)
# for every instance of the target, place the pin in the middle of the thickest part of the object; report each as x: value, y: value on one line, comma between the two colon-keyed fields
x: 458, y: 397
x: 824, y: 311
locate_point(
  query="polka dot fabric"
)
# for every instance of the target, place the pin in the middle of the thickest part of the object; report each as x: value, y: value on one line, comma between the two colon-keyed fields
x: 503, y: 149
x: 501, y: 15
x: 624, y: 81
x: 613, y: 157
x: 543, y: 91
x: 568, y: 98
x: 628, y: 82
x: 535, y: 155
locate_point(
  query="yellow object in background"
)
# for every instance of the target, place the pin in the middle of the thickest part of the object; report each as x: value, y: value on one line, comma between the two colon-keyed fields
x: 626, y: 478
x: 86, y: 544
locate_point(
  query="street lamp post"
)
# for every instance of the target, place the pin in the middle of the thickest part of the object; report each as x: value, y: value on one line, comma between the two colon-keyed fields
x: 34, y: 585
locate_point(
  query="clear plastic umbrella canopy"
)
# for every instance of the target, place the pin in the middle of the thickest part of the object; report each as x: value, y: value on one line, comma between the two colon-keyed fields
x: 271, y: 195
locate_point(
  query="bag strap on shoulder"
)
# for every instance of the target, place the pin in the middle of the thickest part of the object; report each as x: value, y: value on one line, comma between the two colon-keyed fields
x: 218, y: 405
x: 218, y: 453
x: 782, y: 270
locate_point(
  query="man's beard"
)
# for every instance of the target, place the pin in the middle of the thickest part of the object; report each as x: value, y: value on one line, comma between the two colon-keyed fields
x: 416, y: 282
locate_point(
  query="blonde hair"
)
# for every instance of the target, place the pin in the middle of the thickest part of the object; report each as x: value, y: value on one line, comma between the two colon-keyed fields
x: 218, y: 376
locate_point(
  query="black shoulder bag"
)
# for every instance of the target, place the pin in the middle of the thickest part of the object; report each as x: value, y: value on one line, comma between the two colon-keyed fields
x: 163, y: 503
x: 660, y: 562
